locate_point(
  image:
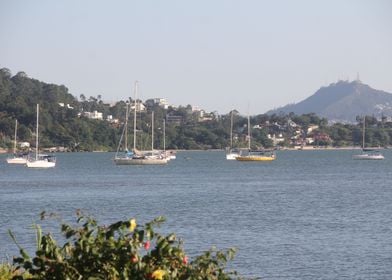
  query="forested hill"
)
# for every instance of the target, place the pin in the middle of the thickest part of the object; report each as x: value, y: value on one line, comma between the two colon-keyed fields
x: 59, y: 125
x: 64, y: 123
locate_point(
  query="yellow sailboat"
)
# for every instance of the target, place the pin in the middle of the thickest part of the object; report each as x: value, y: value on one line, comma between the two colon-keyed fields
x: 255, y: 155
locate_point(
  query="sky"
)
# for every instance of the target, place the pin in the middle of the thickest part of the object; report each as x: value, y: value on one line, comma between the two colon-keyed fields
x: 249, y: 55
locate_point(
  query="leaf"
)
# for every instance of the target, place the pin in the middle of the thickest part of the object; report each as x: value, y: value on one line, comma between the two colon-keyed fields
x: 21, y: 250
x: 38, y: 235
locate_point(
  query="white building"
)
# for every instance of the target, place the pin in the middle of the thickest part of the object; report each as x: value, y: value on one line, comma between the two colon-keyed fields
x: 311, y: 128
x: 93, y: 115
x: 110, y: 119
x: 139, y: 105
x: 276, y: 139
x: 68, y: 106
x: 162, y: 102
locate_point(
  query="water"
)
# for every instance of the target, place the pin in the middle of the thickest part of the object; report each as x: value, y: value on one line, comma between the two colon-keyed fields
x: 307, y: 215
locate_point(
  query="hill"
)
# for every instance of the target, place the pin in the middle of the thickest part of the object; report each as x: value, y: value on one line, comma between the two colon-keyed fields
x: 343, y: 102
x: 60, y: 126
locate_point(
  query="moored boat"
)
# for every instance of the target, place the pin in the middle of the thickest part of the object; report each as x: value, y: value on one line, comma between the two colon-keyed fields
x: 40, y: 161
x: 136, y: 157
x: 261, y: 155
x: 255, y: 155
x: 231, y: 153
x: 368, y: 153
x: 17, y: 157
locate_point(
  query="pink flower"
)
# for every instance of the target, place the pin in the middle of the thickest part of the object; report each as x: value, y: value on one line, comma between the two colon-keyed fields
x: 147, y: 245
x: 185, y: 260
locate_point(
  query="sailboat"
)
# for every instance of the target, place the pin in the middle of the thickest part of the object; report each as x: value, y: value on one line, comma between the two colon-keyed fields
x: 231, y: 153
x: 136, y: 157
x: 153, y: 153
x: 18, y: 158
x: 41, y: 160
x: 255, y: 155
x: 368, y: 153
x: 169, y: 154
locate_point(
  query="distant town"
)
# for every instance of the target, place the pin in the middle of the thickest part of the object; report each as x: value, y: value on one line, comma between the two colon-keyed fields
x: 89, y: 124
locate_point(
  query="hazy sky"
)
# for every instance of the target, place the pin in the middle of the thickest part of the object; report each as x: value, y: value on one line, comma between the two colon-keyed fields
x: 217, y: 55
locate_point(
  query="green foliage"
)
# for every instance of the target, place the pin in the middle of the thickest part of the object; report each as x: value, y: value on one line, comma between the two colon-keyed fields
x: 8, y: 272
x: 66, y: 127
x: 122, y: 250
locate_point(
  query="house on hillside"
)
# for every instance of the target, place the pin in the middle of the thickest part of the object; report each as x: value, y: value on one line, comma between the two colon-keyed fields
x: 173, y: 119
x: 66, y: 105
x: 161, y: 102
x: 112, y: 120
x: 95, y: 115
x: 276, y: 139
x: 140, y: 107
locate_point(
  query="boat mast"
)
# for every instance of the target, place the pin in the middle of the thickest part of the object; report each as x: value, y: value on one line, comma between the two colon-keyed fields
x: 363, y: 132
x: 164, y: 136
x: 36, y: 135
x: 126, y: 127
x: 134, y: 120
x: 231, y: 130
x: 152, y: 131
x: 248, y: 132
x: 16, y: 129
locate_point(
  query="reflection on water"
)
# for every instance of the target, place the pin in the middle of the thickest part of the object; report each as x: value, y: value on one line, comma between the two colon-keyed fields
x: 307, y: 215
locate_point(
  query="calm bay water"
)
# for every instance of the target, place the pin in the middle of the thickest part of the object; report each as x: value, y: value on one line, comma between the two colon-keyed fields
x: 308, y: 215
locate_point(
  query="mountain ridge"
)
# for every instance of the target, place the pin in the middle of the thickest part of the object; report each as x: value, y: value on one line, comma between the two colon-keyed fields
x: 343, y: 101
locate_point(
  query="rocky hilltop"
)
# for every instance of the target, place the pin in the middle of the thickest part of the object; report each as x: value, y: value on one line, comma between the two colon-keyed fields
x: 343, y: 102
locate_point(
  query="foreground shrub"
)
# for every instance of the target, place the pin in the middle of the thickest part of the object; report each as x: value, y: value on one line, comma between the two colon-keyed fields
x: 122, y: 250
x: 8, y: 272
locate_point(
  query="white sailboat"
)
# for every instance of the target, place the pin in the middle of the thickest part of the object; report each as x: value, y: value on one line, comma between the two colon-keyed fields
x: 136, y: 157
x: 231, y: 153
x: 18, y: 158
x: 154, y: 153
x: 169, y: 154
x: 41, y: 160
x: 368, y: 153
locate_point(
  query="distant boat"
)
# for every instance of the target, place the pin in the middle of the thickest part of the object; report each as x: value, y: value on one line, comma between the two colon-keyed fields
x: 169, y: 155
x: 255, y: 155
x: 41, y: 160
x: 18, y: 157
x: 368, y: 153
x: 231, y: 153
x: 135, y: 157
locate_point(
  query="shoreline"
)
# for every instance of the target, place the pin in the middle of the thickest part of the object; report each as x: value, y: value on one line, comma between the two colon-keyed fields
x: 307, y: 148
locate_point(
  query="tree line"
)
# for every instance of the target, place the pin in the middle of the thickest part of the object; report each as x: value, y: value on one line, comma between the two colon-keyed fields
x: 66, y: 126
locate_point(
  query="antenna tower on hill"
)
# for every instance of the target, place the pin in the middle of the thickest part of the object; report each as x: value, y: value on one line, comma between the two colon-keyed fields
x: 358, y: 80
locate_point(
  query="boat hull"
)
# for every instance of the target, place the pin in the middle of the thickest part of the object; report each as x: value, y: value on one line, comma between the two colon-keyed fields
x: 368, y: 157
x: 141, y: 161
x: 254, y: 158
x: 40, y: 164
x: 17, y: 160
x: 231, y: 156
